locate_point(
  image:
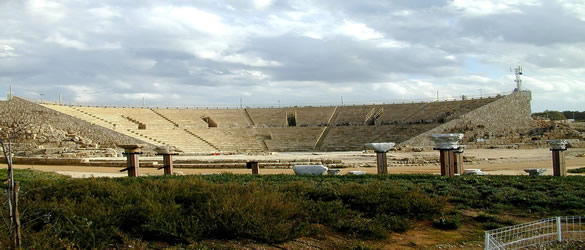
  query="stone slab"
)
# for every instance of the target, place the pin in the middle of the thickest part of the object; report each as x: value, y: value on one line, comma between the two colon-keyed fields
x: 309, y: 169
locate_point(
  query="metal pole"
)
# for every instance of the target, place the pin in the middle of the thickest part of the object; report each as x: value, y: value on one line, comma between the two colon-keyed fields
x: 559, y: 232
x: 487, y: 240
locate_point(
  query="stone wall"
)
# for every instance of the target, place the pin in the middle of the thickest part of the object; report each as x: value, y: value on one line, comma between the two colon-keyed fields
x: 40, y: 130
x: 507, y: 116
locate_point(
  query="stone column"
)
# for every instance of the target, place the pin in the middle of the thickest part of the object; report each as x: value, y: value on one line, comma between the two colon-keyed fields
x: 459, y: 161
x: 381, y: 160
x: 167, y: 159
x: 132, y: 152
x: 448, y: 144
x: 254, y: 166
x: 558, y: 148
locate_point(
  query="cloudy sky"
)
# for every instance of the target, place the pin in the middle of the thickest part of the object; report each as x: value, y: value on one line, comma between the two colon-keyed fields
x: 297, y: 52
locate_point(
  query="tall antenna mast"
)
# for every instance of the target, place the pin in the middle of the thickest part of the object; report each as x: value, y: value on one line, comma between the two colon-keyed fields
x: 518, y: 73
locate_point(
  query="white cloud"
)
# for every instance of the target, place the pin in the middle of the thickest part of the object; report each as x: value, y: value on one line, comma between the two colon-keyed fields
x: 51, y: 10
x: 7, y: 51
x: 296, y: 51
x: 577, y: 7
x: 491, y: 7
x: 65, y: 42
x: 188, y: 18
x: 359, y: 31
x: 261, y: 4
x: 104, y: 12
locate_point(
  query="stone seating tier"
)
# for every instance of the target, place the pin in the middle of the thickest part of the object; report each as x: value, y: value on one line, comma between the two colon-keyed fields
x: 266, y: 129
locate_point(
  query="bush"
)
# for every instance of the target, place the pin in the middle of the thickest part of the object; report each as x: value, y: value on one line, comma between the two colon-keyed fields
x: 451, y: 222
x: 577, y: 170
x: 183, y: 210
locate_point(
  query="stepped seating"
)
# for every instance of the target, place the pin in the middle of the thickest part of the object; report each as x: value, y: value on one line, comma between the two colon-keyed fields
x: 148, y: 118
x: 232, y: 139
x: 269, y: 117
x: 311, y: 116
x: 353, y: 115
x: 178, y: 138
x: 440, y: 112
x: 292, y: 138
x: 78, y: 114
x: 346, y: 138
x: 262, y: 129
x: 115, y: 116
x: 192, y: 118
x: 185, y: 118
x: 397, y: 113
x: 105, y: 117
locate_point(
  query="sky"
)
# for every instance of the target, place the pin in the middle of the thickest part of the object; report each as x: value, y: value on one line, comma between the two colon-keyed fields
x: 298, y: 52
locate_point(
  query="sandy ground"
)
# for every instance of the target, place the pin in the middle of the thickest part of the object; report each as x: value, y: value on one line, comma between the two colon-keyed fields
x: 491, y: 161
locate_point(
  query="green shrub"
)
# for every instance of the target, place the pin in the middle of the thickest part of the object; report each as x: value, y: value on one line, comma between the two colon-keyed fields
x: 491, y: 225
x: 451, y: 222
x: 184, y: 210
x: 577, y: 170
x: 484, y: 218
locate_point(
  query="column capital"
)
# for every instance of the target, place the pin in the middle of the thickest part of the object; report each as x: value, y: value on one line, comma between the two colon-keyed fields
x: 381, y: 147
x: 560, y: 144
x: 131, y: 148
x: 447, y: 141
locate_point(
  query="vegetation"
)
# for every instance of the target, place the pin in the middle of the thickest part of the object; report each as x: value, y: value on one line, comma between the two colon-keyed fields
x: 553, y: 115
x: 577, y: 170
x: 556, y: 115
x: 162, y: 211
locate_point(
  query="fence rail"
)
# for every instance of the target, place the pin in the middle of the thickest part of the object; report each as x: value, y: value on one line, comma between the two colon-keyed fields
x: 537, y: 233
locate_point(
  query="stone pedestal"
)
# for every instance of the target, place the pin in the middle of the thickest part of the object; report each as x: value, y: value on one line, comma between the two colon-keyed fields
x: 450, y: 152
x: 132, y: 152
x: 167, y: 155
x: 558, y: 148
x: 167, y: 163
x: 254, y: 166
x: 381, y: 160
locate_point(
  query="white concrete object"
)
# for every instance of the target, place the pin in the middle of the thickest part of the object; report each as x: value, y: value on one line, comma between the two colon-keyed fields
x: 473, y: 172
x: 309, y: 169
x: 356, y: 172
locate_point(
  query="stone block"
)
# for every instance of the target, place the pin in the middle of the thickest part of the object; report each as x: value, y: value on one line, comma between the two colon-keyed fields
x: 356, y: 173
x: 309, y: 169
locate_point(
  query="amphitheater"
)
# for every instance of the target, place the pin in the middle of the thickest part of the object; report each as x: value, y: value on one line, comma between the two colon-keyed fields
x: 331, y: 128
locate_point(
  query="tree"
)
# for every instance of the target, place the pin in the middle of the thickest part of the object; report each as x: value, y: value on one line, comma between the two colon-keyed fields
x: 553, y: 115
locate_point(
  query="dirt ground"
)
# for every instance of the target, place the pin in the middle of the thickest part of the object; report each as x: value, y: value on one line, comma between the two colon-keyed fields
x: 490, y: 161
